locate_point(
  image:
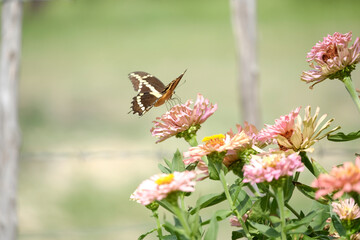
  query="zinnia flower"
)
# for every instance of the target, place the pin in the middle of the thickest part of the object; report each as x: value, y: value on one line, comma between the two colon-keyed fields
x: 306, y: 131
x: 296, y: 134
x: 271, y: 166
x: 331, y: 56
x: 252, y: 132
x: 346, y: 209
x: 160, y: 186
x: 217, y: 143
x: 342, y: 179
x: 283, y: 126
x: 181, y: 118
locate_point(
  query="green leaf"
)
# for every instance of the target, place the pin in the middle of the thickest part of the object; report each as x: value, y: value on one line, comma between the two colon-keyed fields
x: 314, y: 167
x: 209, y: 200
x: 335, y: 220
x: 165, y: 204
x: 170, y: 237
x: 211, y: 233
x: 168, y: 163
x: 301, y: 225
x: 309, y: 192
x: 307, y: 163
x: 177, y: 162
x: 342, y: 137
x: 220, y: 215
x: 145, y: 234
x: 213, y: 171
x: 322, y: 215
x: 178, y: 231
x: 237, y: 234
x: 242, y: 200
x: 266, y: 230
x: 195, y: 222
x: 288, y: 189
x: 164, y: 169
x: 260, y: 209
x: 317, y: 168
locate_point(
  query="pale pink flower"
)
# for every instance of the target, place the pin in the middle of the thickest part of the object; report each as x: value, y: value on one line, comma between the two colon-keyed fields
x: 346, y: 209
x: 160, y: 186
x: 252, y: 132
x: 345, y: 178
x: 234, y: 221
x: 355, y: 236
x: 181, y: 117
x: 330, y: 56
x: 271, y: 166
x: 217, y: 143
x: 283, y: 126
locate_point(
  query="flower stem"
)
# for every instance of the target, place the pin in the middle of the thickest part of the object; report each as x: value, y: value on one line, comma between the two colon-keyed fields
x: 351, y: 89
x: 180, y: 215
x: 158, y: 224
x: 279, y: 194
x: 192, y: 140
x: 288, y: 206
x: 231, y: 203
x: 253, y: 190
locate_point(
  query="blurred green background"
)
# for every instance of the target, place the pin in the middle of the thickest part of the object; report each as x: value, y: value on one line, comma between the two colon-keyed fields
x: 82, y: 155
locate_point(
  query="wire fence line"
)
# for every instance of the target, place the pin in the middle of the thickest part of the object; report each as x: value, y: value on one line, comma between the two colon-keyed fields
x: 149, y: 154
x: 93, y: 155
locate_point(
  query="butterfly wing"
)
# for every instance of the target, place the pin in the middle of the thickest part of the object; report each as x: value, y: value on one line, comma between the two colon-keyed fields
x: 169, y: 91
x: 142, y: 103
x: 145, y: 82
x: 149, y: 90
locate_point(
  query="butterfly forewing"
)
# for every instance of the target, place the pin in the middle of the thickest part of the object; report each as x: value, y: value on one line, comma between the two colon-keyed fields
x: 145, y: 82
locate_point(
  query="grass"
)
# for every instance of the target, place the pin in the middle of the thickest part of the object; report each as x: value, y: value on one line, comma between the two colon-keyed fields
x: 75, y: 95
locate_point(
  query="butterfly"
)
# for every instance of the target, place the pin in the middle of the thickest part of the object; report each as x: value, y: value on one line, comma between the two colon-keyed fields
x: 151, y: 91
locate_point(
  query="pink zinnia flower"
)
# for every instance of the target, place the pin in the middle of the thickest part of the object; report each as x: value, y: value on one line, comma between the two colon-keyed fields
x: 342, y: 179
x: 330, y: 56
x: 217, y: 143
x: 283, y: 126
x: 160, y: 186
x: 181, y: 117
x: 252, y: 132
x: 270, y: 166
x: 346, y: 209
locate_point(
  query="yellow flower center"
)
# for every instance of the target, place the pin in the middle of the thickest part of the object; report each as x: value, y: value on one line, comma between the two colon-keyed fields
x: 165, y: 179
x: 214, y: 140
x: 271, y: 160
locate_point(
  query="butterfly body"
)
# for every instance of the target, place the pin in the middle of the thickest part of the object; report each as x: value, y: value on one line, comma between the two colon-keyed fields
x: 151, y: 91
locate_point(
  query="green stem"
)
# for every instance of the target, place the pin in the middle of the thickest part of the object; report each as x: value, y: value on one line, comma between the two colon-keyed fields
x: 192, y: 140
x: 287, y: 205
x: 158, y: 224
x: 232, y: 206
x: 351, y: 89
x: 182, y: 201
x: 180, y: 215
x: 252, y: 189
x: 279, y: 194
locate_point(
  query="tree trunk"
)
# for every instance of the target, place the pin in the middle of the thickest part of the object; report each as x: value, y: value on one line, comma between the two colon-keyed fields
x: 245, y: 27
x: 9, y: 129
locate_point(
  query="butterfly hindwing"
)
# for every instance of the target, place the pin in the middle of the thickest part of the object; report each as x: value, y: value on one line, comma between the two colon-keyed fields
x: 142, y: 103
